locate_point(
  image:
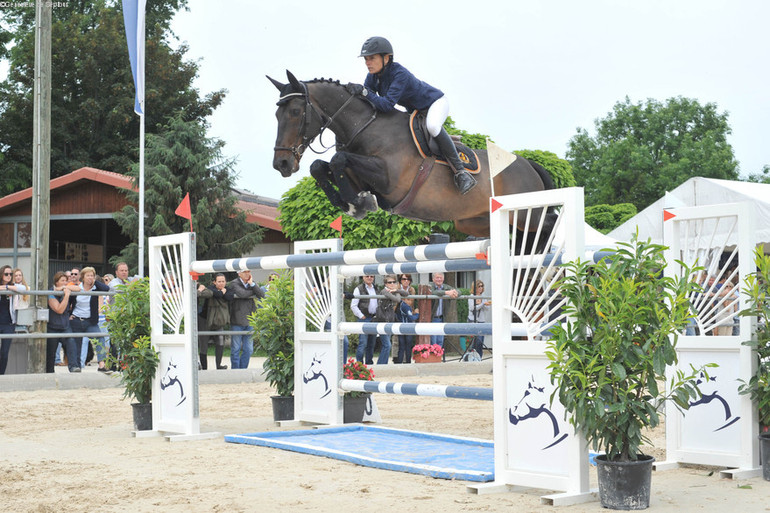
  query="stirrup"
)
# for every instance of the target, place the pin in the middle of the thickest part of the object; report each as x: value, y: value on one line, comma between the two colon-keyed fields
x: 464, y: 182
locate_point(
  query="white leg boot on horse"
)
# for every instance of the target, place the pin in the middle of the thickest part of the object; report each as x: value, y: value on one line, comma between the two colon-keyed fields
x: 463, y: 179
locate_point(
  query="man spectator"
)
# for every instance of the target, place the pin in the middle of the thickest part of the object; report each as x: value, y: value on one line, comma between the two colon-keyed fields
x: 217, y: 312
x: 120, y: 278
x: 244, y: 293
x: 439, y: 305
x: 74, y: 278
x: 364, y: 310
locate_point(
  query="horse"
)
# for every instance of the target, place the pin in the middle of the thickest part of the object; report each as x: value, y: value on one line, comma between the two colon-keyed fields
x: 377, y: 164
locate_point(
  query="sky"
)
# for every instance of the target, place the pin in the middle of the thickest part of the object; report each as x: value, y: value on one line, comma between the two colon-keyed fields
x: 527, y: 74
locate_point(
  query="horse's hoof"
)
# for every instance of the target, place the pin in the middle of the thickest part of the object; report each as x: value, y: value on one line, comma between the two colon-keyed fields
x: 354, y: 212
x: 368, y: 201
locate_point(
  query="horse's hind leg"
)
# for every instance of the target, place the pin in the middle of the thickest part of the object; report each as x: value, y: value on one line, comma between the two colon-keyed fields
x: 476, y: 226
x: 322, y: 173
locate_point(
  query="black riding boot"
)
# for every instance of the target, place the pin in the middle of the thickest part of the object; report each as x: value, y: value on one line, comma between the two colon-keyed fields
x: 218, y: 351
x: 463, y: 179
x: 204, y: 361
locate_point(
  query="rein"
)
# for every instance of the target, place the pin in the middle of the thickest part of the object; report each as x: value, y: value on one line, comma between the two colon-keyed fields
x: 299, y: 149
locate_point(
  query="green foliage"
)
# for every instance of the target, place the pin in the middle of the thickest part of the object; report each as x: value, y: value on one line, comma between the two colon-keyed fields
x: 757, y: 289
x: 128, y: 322
x: 474, y: 141
x: 181, y: 160
x: 92, y: 118
x: 462, y: 305
x: 761, y: 177
x: 608, y: 217
x: 273, y: 325
x: 559, y: 169
x: 607, y: 359
x: 642, y: 150
x: 306, y: 214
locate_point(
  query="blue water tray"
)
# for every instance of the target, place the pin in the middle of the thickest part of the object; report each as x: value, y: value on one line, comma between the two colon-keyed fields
x: 429, y: 454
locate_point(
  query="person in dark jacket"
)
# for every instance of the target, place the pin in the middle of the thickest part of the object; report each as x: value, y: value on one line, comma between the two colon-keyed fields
x: 59, y: 322
x: 390, y: 83
x: 217, y: 312
x: 85, y: 315
x: 244, y: 294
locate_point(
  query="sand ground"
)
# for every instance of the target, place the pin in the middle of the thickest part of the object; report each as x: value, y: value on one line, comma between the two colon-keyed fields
x: 73, y: 450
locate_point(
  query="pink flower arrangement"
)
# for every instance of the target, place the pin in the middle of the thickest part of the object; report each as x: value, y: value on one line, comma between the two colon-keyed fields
x: 426, y: 350
x: 357, y: 370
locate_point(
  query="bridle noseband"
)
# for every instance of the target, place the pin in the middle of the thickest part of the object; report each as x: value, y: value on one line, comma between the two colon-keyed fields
x: 310, y: 109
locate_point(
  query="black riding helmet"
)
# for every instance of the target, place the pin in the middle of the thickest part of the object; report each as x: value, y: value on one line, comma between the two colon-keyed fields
x: 376, y: 45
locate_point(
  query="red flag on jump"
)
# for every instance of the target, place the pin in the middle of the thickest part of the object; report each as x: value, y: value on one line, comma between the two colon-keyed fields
x: 184, y: 210
x: 337, y: 225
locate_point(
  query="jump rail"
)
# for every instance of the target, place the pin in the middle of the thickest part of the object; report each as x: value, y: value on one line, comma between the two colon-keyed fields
x: 429, y: 390
x: 425, y: 328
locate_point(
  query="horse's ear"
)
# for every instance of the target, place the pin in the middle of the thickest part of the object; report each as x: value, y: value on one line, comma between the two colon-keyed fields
x: 293, y: 80
x: 276, y: 83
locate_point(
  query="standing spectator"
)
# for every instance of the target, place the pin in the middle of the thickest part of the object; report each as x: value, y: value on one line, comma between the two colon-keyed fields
x: 439, y: 305
x: 386, y: 312
x: 406, y: 313
x: 20, y: 301
x: 364, y: 310
x: 244, y: 295
x: 203, y: 325
x: 85, y: 314
x: 59, y: 322
x: 217, y: 312
x: 478, y: 311
x: 74, y: 276
x: 7, y: 315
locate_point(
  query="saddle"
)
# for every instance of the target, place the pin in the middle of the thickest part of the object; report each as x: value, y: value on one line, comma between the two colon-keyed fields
x: 428, y: 147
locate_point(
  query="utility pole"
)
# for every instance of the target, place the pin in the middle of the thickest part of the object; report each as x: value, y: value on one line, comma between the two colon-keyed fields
x: 41, y: 176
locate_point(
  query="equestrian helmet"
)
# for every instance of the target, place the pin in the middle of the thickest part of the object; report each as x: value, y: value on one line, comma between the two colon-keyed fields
x: 376, y: 45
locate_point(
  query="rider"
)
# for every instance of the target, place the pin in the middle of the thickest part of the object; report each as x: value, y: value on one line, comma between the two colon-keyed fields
x: 392, y: 84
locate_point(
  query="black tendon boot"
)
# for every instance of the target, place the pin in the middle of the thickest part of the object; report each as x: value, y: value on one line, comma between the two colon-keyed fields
x: 218, y: 351
x: 204, y: 360
x: 463, y: 179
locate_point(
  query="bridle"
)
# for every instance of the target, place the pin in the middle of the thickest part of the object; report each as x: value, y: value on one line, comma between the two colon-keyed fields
x: 307, y: 115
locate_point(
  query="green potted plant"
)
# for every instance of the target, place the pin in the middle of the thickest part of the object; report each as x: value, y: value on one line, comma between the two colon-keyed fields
x: 354, y: 402
x: 128, y: 322
x: 273, y: 325
x: 608, y: 359
x: 757, y: 289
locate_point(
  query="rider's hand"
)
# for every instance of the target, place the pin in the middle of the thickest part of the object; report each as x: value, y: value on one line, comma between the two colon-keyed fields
x: 355, y: 89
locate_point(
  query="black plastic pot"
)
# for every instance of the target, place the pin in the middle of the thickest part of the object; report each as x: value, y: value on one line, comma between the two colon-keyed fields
x: 624, y: 485
x: 142, y: 416
x: 354, y: 408
x: 764, y: 452
x: 283, y: 407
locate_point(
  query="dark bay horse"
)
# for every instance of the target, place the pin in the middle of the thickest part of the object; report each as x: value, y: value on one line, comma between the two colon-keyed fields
x: 376, y: 162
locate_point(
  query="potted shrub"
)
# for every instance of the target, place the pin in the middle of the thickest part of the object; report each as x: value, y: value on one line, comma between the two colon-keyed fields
x: 128, y: 322
x: 354, y: 403
x: 427, y: 353
x: 757, y: 289
x: 608, y: 358
x: 273, y: 325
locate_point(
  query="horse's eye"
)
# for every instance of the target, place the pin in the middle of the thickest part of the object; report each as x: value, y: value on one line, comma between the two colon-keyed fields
x: 295, y: 112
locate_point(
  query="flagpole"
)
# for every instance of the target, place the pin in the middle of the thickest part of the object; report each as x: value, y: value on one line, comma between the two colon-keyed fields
x: 141, y: 194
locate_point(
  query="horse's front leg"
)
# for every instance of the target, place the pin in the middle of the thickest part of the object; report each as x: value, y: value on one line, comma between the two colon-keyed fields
x: 343, y: 166
x: 322, y: 174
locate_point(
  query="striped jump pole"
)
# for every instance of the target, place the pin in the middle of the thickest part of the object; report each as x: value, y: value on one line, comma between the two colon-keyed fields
x: 449, y: 251
x: 387, y: 387
x: 438, y: 266
x: 425, y: 328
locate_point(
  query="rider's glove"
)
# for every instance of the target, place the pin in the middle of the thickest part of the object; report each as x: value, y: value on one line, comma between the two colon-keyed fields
x: 355, y: 89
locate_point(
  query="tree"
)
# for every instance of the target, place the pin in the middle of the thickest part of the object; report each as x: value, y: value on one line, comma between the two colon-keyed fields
x: 92, y: 118
x: 559, y: 169
x: 179, y: 160
x: 642, y: 150
x: 608, y: 217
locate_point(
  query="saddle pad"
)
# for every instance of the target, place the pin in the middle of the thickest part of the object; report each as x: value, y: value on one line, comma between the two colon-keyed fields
x: 417, y: 127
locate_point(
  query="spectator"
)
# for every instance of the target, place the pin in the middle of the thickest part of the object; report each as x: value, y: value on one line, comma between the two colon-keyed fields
x: 217, y: 312
x: 20, y: 302
x: 386, y: 312
x: 59, y: 322
x: 244, y: 303
x: 364, y: 310
x: 85, y: 315
x: 107, y: 278
x: 203, y: 340
x: 7, y: 315
x: 74, y: 277
x: 406, y: 313
x: 478, y: 311
x: 439, y: 305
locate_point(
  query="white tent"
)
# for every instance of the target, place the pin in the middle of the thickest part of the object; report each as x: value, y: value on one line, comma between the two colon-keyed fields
x: 699, y: 191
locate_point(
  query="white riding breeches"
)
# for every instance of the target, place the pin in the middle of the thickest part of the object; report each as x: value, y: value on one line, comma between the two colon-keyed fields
x: 437, y: 114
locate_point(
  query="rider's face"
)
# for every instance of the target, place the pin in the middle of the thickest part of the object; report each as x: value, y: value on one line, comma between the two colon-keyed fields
x: 374, y: 63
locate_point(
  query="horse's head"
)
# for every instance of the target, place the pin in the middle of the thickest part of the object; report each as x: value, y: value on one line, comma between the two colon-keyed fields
x: 297, y: 124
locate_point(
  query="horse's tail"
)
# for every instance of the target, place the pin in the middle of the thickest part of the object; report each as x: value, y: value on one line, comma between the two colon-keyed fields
x: 545, y: 176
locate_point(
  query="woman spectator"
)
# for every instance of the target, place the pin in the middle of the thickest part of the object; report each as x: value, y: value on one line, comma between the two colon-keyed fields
x: 386, y: 312
x: 59, y: 322
x: 7, y: 314
x: 406, y: 313
x: 478, y: 311
x: 85, y: 315
x: 20, y: 301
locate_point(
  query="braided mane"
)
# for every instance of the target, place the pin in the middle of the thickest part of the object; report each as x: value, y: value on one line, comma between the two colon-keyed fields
x: 324, y: 80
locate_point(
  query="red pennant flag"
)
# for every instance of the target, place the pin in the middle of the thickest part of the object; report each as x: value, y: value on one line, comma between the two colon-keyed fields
x: 495, y: 205
x: 337, y: 225
x: 667, y: 215
x: 184, y: 210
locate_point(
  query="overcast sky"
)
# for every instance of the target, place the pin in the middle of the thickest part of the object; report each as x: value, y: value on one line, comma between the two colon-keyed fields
x: 527, y: 74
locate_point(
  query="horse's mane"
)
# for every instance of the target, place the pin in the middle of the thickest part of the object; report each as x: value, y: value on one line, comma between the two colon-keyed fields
x: 323, y: 81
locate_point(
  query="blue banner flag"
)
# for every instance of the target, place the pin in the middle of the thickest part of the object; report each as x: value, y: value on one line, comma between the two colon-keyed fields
x: 133, y: 17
